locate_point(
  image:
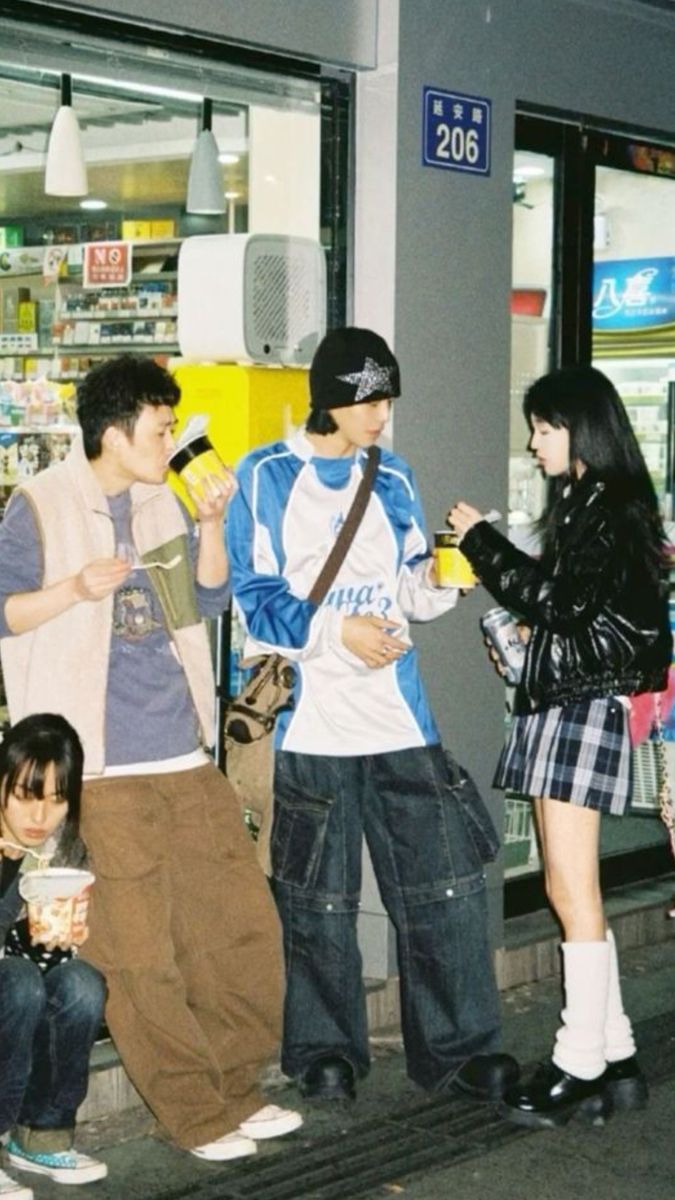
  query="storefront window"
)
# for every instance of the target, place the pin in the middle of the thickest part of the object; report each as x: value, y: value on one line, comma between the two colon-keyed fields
x: 282, y: 171
x: 633, y: 322
x: 531, y: 307
x: 593, y: 278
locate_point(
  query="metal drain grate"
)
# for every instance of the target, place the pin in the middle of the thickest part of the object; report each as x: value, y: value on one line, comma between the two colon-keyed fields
x: 433, y: 1132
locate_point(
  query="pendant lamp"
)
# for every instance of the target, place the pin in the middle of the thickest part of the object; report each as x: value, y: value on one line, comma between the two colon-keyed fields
x: 205, y: 193
x: 66, y: 171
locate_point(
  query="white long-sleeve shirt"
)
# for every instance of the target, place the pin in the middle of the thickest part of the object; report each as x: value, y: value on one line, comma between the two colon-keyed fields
x: 283, y: 523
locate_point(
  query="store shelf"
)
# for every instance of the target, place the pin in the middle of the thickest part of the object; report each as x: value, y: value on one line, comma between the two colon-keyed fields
x: 94, y: 349
x: 122, y: 315
x: 53, y: 428
x: 139, y: 316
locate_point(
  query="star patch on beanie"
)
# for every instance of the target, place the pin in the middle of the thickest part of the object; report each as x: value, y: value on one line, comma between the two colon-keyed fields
x: 350, y: 366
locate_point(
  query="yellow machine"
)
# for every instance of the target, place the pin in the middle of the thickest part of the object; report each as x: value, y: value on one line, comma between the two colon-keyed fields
x: 246, y: 405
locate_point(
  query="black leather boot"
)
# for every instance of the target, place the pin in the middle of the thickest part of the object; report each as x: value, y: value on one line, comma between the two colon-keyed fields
x: 331, y: 1078
x: 625, y: 1084
x: 485, y: 1076
x: 552, y: 1098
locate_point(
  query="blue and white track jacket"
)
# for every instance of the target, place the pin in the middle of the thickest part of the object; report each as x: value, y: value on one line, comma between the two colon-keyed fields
x: 282, y: 524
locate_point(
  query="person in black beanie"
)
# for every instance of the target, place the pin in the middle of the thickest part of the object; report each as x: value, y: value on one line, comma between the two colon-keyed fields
x: 359, y: 753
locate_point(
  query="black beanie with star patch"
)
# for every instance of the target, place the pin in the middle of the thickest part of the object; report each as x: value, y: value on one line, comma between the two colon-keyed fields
x: 351, y: 365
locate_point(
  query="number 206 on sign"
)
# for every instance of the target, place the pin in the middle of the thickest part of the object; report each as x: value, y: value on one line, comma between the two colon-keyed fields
x: 456, y: 131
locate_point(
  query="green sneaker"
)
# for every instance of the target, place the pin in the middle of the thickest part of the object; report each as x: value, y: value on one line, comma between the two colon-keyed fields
x: 65, y: 1166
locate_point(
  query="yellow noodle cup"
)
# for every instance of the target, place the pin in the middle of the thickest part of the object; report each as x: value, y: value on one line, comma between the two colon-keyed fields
x: 453, y: 569
x: 195, y: 461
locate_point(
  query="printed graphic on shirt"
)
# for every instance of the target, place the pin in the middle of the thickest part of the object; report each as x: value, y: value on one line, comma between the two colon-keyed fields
x: 372, y: 598
x: 133, y: 614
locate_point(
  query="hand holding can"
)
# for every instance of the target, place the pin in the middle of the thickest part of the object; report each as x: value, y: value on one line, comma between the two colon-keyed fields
x: 502, y: 634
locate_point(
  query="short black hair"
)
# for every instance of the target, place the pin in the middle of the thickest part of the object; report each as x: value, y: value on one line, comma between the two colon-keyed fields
x: 320, y: 421
x: 115, y: 393
x: 29, y: 748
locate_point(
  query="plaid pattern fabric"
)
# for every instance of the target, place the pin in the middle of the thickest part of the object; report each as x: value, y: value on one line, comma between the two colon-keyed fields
x: 579, y: 752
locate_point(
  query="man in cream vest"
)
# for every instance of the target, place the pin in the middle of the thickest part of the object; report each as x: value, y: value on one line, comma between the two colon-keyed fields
x: 105, y: 584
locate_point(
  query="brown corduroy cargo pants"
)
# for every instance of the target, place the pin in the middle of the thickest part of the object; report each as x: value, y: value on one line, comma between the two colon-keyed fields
x: 184, y: 928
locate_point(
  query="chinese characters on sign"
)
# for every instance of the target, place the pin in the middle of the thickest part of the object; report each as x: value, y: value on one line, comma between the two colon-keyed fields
x: 456, y: 132
x: 633, y: 293
x: 106, y: 264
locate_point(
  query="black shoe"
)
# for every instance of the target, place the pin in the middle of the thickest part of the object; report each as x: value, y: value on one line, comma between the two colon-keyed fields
x: 625, y: 1084
x: 485, y: 1076
x: 328, y: 1079
x: 552, y: 1097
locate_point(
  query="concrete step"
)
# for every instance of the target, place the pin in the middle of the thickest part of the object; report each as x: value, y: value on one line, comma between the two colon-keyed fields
x: 637, y: 914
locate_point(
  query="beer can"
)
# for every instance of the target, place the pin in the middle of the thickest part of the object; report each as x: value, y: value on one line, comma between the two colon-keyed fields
x: 501, y: 631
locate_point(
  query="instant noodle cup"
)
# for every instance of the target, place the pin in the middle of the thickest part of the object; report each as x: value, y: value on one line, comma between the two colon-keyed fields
x: 453, y: 569
x: 195, y: 458
x: 57, y: 899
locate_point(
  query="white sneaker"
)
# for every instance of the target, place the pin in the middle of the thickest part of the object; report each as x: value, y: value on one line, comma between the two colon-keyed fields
x: 231, y: 1145
x: 270, y: 1122
x: 11, y: 1190
x: 64, y: 1166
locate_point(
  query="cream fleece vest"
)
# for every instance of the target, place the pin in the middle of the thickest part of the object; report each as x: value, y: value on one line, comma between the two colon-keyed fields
x: 62, y: 666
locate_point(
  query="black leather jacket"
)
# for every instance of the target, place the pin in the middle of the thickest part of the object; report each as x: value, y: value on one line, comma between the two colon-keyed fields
x: 599, y: 627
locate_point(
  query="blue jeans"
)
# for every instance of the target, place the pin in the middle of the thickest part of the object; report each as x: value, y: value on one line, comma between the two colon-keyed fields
x: 432, y: 882
x: 48, y: 1024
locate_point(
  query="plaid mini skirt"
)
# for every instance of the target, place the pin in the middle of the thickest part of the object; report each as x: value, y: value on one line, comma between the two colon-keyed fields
x: 580, y: 753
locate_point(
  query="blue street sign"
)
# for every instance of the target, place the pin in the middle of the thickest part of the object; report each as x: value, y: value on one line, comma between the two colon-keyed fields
x: 456, y: 131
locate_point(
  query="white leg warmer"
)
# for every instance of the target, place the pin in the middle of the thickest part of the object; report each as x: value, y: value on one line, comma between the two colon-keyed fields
x: 619, y: 1040
x: 580, y: 1042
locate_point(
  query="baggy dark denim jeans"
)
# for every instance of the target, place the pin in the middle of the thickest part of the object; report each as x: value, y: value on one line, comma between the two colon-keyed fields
x: 48, y: 1024
x: 432, y: 882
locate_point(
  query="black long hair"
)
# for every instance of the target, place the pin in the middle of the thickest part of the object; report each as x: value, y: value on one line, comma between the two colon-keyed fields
x: 28, y: 749
x: 586, y: 403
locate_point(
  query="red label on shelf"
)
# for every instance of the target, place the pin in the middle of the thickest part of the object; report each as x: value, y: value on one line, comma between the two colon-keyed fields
x: 106, y: 264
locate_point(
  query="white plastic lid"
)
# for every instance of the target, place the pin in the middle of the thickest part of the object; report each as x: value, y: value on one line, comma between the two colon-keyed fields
x: 53, y: 883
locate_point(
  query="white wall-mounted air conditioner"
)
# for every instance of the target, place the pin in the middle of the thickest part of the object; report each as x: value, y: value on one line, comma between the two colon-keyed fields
x: 251, y: 297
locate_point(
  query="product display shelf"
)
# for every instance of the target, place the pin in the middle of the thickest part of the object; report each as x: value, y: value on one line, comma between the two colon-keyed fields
x: 104, y: 349
x: 46, y: 326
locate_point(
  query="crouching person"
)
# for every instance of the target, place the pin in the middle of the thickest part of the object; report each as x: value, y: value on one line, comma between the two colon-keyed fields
x: 51, y: 1002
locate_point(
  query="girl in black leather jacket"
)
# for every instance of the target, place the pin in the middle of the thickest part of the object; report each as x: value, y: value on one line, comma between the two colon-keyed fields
x: 596, y: 608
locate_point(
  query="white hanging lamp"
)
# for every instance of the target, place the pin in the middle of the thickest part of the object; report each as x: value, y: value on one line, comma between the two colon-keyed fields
x: 205, y: 194
x: 66, y: 170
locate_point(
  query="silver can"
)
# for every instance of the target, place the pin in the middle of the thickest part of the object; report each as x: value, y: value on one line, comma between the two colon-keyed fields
x: 501, y: 631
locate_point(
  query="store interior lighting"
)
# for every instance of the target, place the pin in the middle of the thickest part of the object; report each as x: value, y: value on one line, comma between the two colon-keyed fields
x: 205, y: 194
x: 66, y: 170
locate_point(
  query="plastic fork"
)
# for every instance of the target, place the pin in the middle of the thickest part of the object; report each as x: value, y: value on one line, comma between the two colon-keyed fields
x: 166, y: 566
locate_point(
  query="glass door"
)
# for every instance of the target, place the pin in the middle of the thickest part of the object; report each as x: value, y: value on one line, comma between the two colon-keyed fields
x: 633, y: 331
x: 594, y: 281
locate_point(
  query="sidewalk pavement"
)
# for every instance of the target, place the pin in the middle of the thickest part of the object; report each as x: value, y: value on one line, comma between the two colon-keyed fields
x: 397, y: 1141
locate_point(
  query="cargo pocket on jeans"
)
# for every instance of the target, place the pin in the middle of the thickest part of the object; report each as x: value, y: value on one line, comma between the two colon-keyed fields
x: 298, y: 836
x: 477, y: 820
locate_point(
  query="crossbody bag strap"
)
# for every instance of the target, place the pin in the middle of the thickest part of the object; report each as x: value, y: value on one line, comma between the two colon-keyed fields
x: 346, y: 535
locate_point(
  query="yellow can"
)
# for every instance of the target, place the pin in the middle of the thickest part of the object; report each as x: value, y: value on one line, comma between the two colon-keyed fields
x: 453, y: 569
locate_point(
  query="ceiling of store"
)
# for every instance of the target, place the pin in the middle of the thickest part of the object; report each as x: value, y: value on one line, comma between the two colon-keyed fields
x: 137, y: 149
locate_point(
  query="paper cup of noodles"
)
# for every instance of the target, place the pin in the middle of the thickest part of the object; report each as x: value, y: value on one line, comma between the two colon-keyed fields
x: 57, y: 899
x: 453, y: 569
x: 194, y: 458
